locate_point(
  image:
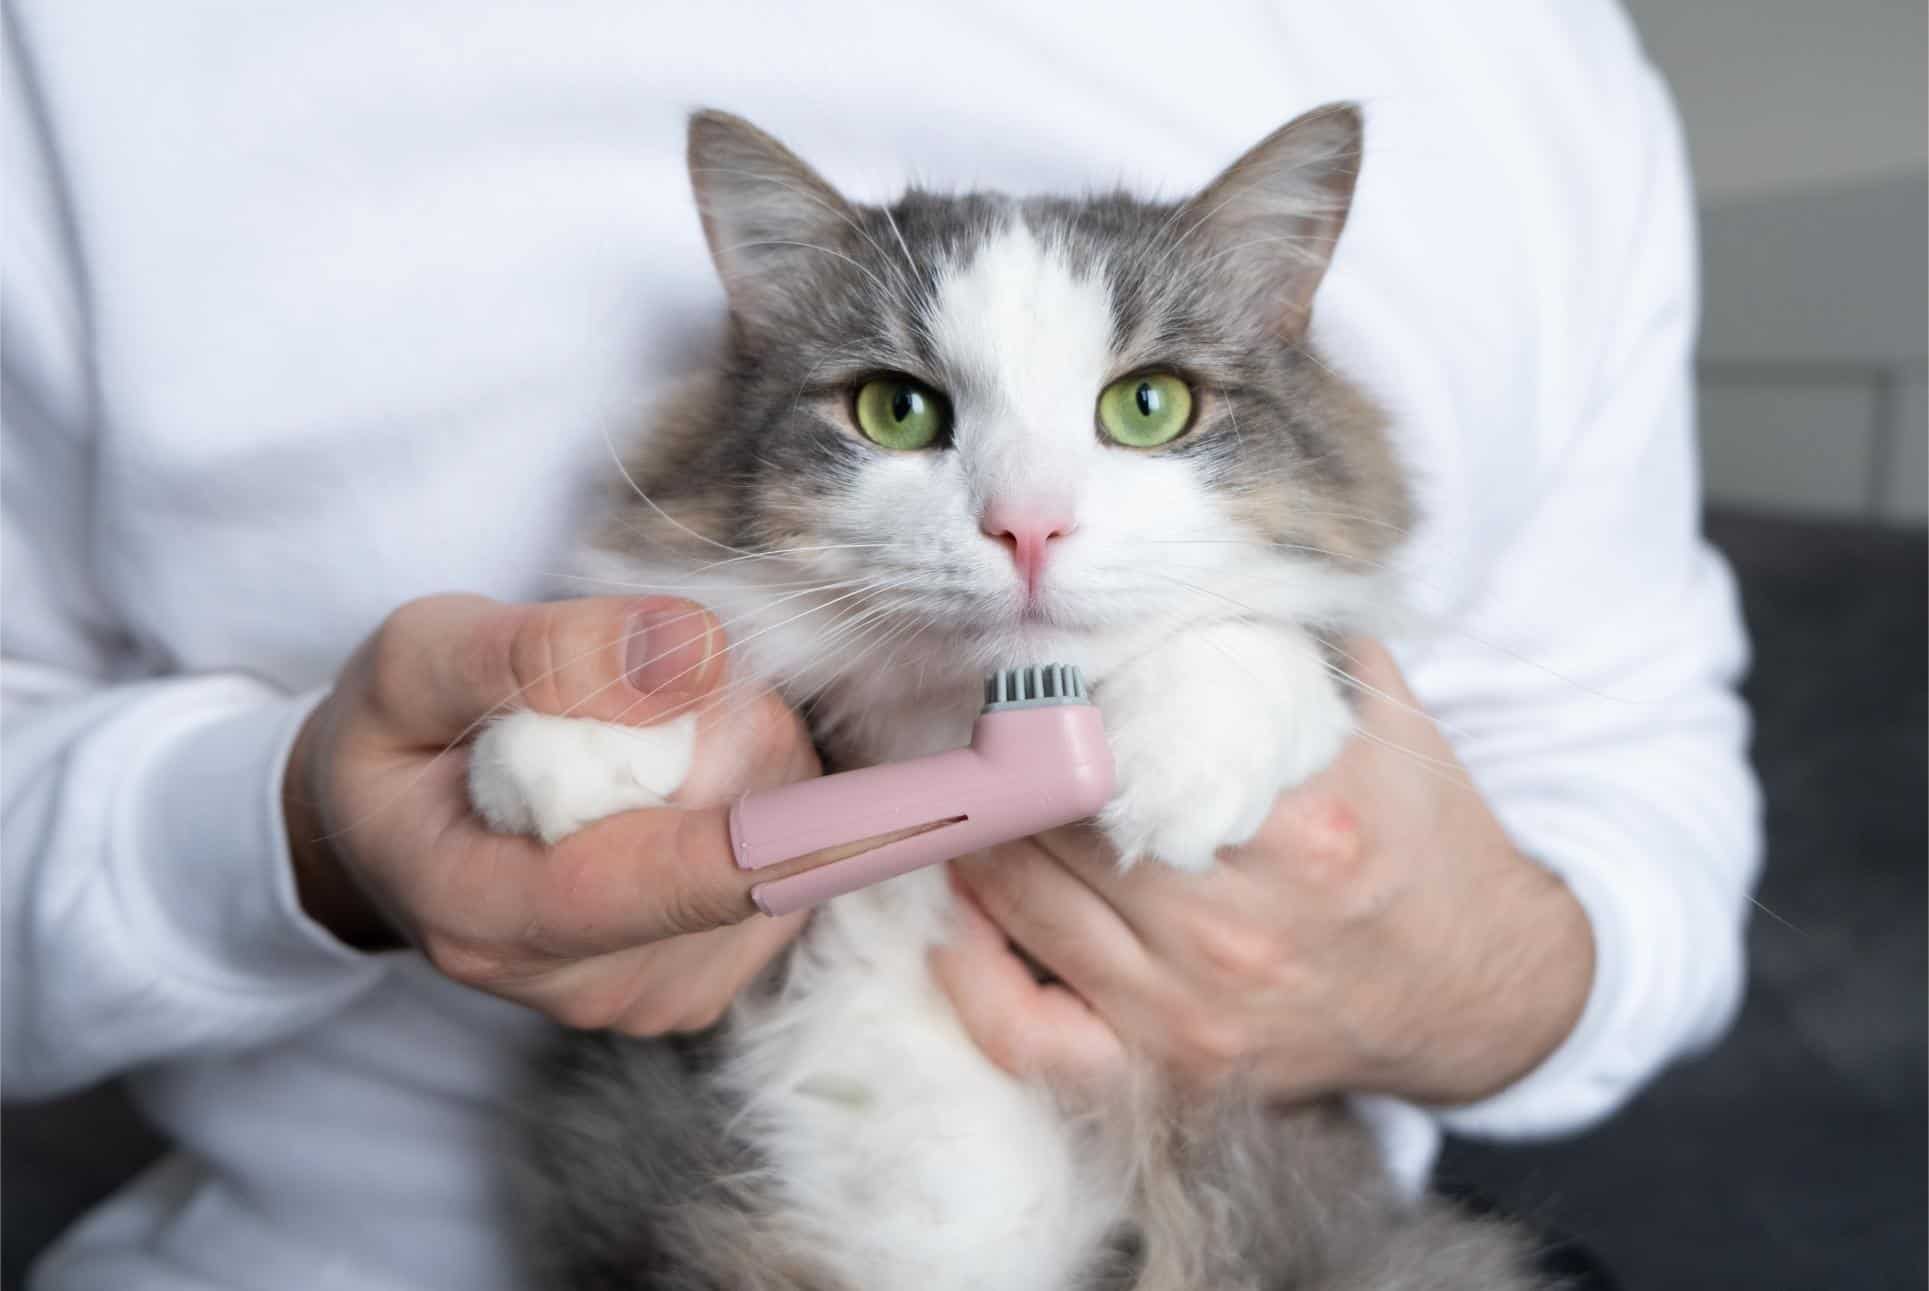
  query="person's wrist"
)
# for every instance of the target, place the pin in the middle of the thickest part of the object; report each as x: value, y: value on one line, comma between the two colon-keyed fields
x: 328, y: 892
x: 1510, y: 996
x: 1538, y: 996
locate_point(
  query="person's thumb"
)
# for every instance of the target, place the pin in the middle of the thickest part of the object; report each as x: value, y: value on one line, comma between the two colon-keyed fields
x: 444, y: 662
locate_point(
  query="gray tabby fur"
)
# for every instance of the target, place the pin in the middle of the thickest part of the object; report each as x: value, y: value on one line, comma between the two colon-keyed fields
x: 634, y: 1175
x: 634, y: 1181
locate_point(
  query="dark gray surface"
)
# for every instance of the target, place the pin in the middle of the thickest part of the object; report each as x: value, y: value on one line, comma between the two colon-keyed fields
x: 1792, y: 1157
x: 56, y: 1161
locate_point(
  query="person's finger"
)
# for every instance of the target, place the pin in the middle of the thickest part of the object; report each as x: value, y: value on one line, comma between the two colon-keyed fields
x: 442, y: 662
x: 745, y: 742
x: 1142, y: 895
x: 1060, y: 921
x: 676, y: 983
x: 625, y: 881
x: 1027, y: 1028
x: 1137, y: 895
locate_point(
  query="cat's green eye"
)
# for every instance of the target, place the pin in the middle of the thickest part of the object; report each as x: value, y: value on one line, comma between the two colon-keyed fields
x: 1146, y: 410
x: 897, y: 413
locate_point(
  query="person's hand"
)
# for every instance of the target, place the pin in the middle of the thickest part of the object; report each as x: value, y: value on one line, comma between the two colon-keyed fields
x: 1379, y: 934
x: 638, y: 922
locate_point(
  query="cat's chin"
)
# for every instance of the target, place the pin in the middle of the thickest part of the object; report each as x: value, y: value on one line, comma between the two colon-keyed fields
x: 1019, y: 641
x: 1043, y: 618
x: 1036, y: 620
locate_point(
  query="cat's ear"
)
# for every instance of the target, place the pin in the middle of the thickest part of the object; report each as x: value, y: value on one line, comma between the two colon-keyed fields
x: 765, y: 212
x: 1274, y: 216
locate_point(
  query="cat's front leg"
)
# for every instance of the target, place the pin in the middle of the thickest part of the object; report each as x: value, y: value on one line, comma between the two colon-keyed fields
x: 1208, y: 730
x: 530, y: 773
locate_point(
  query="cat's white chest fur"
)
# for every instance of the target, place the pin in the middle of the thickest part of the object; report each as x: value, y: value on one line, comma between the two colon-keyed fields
x: 903, y: 1156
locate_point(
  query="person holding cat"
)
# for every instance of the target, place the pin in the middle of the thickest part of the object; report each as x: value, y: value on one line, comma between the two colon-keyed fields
x: 279, y: 378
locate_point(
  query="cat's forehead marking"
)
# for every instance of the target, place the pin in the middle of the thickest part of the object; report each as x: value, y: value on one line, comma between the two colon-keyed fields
x: 1029, y: 336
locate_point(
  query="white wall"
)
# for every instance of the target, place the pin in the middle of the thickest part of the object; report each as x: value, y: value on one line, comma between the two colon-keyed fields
x: 1782, y: 94
x: 1806, y: 122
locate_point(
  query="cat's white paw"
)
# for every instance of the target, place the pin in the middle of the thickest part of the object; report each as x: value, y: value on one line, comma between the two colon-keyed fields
x: 550, y: 776
x: 1208, y: 732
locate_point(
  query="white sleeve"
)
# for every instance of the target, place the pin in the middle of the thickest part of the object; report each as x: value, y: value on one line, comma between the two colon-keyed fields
x: 149, y: 899
x: 1592, y: 688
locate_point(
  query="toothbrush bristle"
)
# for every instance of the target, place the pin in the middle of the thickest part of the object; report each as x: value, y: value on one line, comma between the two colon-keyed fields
x: 1052, y: 683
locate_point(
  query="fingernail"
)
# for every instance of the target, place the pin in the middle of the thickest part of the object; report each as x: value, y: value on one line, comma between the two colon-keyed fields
x: 669, y: 649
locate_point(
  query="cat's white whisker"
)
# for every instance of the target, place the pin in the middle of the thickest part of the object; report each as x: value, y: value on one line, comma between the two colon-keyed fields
x: 1376, y: 522
x: 724, y: 625
x: 650, y: 502
x: 763, y: 554
x: 1356, y: 518
x: 1232, y: 414
x: 1346, y: 678
x: 1275, y: 544
x: 910, y: 261
x: 761, y: 632
x: 743, y: 690
x: 810, y: 374
x: 1449, y: 772
x: 1252, y: 611
x: 595, y: 580
x: 895, y: 630
x: 1315, y: 360
x: 771, y: 553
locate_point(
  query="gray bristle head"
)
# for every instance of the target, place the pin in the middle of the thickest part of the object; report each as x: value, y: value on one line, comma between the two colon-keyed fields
x: 1052, y: 683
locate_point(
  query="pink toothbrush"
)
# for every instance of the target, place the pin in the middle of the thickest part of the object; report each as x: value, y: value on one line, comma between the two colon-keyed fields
x: 1037, y: 760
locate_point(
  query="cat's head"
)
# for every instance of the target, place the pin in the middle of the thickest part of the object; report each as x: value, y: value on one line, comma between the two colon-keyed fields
x: 1014, y: 427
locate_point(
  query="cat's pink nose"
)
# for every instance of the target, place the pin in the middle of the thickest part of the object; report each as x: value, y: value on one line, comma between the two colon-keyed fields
x: 1027, y: 530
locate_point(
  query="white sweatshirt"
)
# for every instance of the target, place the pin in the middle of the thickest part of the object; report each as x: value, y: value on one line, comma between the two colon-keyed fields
x: 311, y: 309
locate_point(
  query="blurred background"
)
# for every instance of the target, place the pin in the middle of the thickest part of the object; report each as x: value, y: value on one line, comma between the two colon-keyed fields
x: 1805, y: 126
x: 1793, y: 1157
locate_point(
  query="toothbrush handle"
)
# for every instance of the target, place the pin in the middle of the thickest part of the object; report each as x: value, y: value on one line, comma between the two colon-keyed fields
x: 1027, y: 770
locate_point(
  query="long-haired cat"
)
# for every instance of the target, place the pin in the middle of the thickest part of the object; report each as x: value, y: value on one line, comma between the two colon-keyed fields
x: 950, y: 435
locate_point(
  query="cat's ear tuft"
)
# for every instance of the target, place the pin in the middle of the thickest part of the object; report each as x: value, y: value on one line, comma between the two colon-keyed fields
x: 765, y: 212
x: 1275, y: 215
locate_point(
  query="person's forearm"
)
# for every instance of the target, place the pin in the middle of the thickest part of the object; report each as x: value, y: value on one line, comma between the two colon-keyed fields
x: 1645, y: 861
x: 1511, y: 995
x: 150, y: 910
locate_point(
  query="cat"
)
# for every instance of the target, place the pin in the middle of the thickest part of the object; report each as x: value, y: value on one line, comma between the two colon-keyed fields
x: 959, y: 433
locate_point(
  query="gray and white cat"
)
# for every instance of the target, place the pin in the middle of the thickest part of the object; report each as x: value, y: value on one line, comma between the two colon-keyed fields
x: 950, y: 435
